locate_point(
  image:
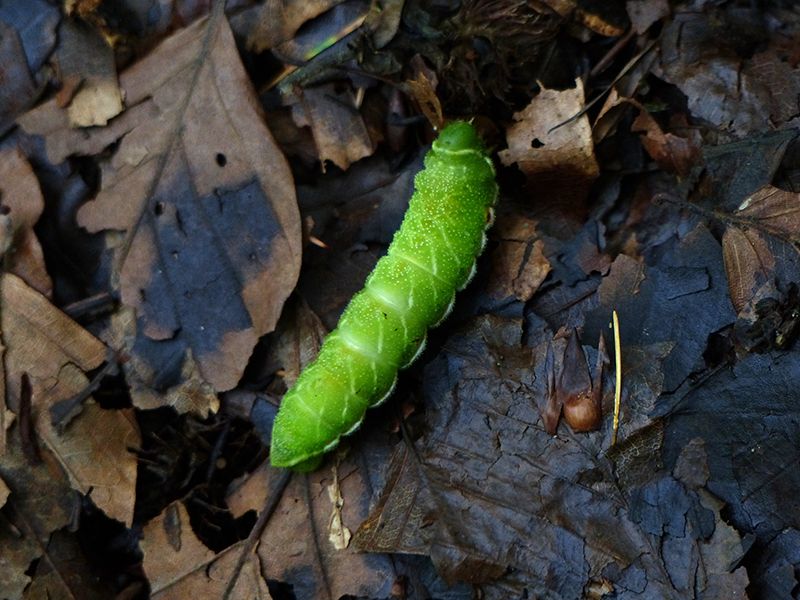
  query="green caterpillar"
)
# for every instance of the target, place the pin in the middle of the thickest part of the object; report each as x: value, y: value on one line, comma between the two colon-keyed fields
x: 411, y: 289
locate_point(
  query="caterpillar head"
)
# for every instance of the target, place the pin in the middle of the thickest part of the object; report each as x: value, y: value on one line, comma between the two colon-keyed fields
x: 458, y: 137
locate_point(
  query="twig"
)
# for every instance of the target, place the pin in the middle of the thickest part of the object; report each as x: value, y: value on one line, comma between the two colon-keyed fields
x: 618, y: 378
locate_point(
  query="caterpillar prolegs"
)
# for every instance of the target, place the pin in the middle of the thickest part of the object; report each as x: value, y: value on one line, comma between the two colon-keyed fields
x: 411, y: 289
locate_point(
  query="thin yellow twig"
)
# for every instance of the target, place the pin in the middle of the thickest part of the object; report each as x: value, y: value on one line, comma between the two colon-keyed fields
x: 618, y: 377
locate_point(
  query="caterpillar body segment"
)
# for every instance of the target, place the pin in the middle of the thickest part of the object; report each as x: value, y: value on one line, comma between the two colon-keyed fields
x: 411, y: 289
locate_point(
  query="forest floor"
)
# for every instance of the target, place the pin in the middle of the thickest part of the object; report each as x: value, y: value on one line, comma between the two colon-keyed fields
x: 190, y: 193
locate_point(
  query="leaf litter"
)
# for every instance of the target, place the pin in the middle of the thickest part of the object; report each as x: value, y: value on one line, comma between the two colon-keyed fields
x: 671, y: 201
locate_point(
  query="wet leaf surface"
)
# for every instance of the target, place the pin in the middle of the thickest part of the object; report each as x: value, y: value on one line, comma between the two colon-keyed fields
x: 485, y: 472
x: 686, y: 293
x: 211, y: 234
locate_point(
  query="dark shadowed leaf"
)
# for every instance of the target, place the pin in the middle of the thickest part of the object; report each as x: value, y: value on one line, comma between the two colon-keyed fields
x: 17, y: 88
x: 741, y: 168
x: 269, y: 24
x: 747, y: 419
x: 497, y: 501
x: 682, y: 300
x: 66, y: 574
x: 27, y: 36
x: 39, y: 502
x: 699, y: 56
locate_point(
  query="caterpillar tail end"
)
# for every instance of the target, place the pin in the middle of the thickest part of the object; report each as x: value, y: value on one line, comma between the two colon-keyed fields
x: 308, y: 465
x: 289, y: 460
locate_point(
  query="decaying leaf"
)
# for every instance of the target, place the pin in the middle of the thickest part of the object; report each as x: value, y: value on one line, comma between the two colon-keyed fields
x: 495, y: 500
x: 746, y: 419
x: 741, y: 95
x: 179, y: 566
x: 422, y: 88
x: 4, y: 492
x: 308, y: 538
x: 773, y: 211
x: 750, y: 263
x: 552, y: 147
x: 161, y: 375
x: 643, y: 13
x: 297, y: 340
x: 86, y: 63
x: 337, y: 127
x: 211, y: 243
x: 673, y: 153
x: 53, y: 352
x: 679, y: 301
x: 21, y: 196
x: 519, y: 265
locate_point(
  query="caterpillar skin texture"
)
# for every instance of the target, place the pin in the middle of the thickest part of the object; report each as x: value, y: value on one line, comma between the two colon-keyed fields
x: 411, y: 289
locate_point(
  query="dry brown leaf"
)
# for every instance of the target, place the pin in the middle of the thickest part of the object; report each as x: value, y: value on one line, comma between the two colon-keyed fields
x: 179, y: 566
x: 422, y: 88
x: 673, y: 153
x: 519, y: 265
x: 338, y: 128
x: 749, y: 260
x: 54, y: 352
x: 20, y: 193
x: 212, y: 239
x: 773, y: 211
x: 40, y: 502
x: 556, y: 153
x: 749, y: 264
